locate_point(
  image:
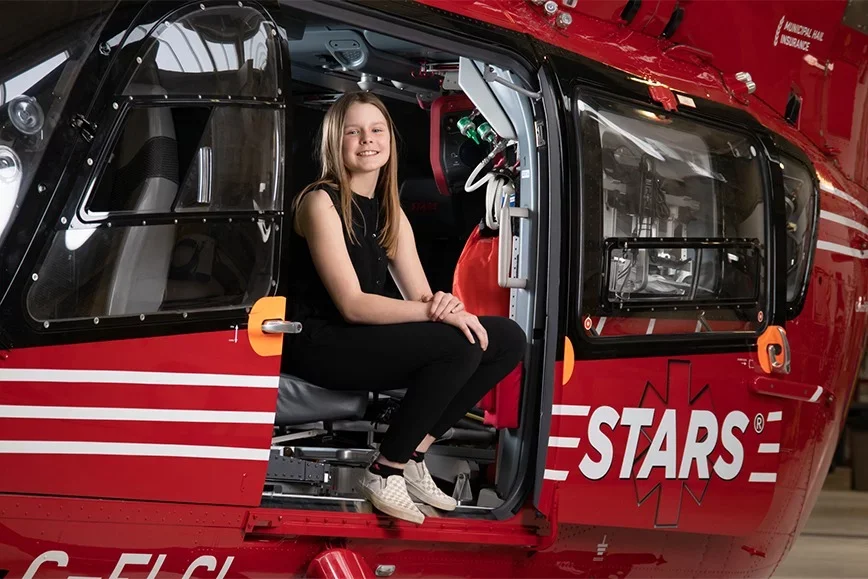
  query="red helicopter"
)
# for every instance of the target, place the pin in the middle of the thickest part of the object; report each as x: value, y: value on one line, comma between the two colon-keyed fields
x: 669, y: 196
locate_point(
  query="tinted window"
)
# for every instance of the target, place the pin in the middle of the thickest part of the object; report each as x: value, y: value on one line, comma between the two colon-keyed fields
x: 801, y: 200
x: 675, y: 221
x: 132, y: 270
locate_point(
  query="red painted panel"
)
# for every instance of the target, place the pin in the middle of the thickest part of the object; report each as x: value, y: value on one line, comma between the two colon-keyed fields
x: 183, y: 480
x: 191, y: 419
x: 841, y: 100
x: 609, y: 10
x: 660, y: 18
x: 226, y: 352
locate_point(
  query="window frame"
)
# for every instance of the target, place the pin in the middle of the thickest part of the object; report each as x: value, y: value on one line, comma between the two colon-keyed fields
x: 589, y: 282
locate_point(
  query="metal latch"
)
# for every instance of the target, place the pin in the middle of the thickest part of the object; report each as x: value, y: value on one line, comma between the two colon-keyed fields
x: 539, y: 128
x: 85, y: 127
x: 773, y: 350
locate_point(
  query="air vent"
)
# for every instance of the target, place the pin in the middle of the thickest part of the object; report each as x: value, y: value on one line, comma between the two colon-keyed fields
x: 674, y: 22
x: 630, y: 10
x: 794, y: 109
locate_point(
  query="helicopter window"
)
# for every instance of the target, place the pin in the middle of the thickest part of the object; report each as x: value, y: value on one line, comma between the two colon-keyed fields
x: 801, y: 205
x: 224, y: 50
x: 200, y: 156
x: 151, y: 269
x: 208, y: 240
x: 680, y: 222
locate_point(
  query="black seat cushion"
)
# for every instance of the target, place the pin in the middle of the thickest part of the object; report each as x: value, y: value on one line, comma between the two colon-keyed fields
x: 299, y: 402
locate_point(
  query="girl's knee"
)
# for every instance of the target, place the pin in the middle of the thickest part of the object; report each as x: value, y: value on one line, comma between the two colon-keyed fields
x: 462, y: 351
x: 506, y: 334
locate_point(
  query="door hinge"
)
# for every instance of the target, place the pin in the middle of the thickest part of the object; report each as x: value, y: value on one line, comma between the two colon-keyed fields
x: 257, y: 521
x: 85, y: 127
x: 539, y: 128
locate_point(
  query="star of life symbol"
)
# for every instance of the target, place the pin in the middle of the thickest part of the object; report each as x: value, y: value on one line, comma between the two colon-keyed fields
x: 654, y: 469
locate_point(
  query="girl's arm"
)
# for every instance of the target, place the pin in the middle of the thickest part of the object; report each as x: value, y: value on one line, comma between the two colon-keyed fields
x: 320, y: 225
x: 405, y: 267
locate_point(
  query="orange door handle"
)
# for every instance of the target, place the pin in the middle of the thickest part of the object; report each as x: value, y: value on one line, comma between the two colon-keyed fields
x: 773, y: 350
x: 266, y: 326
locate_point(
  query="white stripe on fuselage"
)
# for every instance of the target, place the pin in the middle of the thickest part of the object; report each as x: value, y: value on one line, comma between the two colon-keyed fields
x: 131, y: 449
x: 136, y: 414
x: 133, y: 377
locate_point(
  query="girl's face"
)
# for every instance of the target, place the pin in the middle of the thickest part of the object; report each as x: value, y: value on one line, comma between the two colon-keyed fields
x: 366, y: 139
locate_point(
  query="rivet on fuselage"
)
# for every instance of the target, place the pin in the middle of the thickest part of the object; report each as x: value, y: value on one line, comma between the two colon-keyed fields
x: 385, y: 570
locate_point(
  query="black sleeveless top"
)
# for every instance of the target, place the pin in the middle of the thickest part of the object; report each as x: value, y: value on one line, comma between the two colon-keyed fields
x: 308, y: 301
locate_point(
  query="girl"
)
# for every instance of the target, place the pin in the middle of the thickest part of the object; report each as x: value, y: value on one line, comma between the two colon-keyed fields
x: 348, y: 232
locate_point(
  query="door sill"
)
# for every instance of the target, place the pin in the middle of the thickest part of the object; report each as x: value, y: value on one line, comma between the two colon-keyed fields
x: 526, y: 529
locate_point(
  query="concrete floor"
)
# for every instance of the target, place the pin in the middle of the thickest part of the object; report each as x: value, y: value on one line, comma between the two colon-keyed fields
x: 835, y: 540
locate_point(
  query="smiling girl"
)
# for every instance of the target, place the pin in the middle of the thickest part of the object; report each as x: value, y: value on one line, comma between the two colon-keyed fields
x: 348, y: 233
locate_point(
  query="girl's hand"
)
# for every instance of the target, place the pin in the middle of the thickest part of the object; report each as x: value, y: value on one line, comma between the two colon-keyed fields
x: 443, y: 304
x: 469, y: 324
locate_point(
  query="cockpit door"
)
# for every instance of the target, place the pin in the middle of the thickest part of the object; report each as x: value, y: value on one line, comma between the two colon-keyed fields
x: 144, y: 320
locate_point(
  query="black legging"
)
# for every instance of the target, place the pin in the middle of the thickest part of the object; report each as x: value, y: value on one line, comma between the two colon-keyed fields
x: 444, y: 374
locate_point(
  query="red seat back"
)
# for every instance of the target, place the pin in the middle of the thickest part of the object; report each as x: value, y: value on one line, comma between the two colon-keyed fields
x: 475, y: 284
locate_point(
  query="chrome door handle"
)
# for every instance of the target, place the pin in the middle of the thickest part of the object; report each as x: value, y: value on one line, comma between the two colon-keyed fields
x: 280, y: 327
x: 504, y: 247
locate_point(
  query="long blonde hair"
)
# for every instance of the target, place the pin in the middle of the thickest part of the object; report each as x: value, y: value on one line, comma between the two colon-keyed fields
x: 334, y: 173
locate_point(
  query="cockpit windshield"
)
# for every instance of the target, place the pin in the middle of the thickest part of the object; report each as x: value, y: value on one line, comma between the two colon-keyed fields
x: 37, y: 68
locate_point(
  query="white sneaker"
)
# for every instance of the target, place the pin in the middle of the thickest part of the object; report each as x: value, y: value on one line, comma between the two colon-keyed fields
x: 389, y: 495
x: 422, y: 486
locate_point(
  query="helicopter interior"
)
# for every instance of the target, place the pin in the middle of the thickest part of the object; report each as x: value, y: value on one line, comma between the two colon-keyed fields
x: 322, y: 436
